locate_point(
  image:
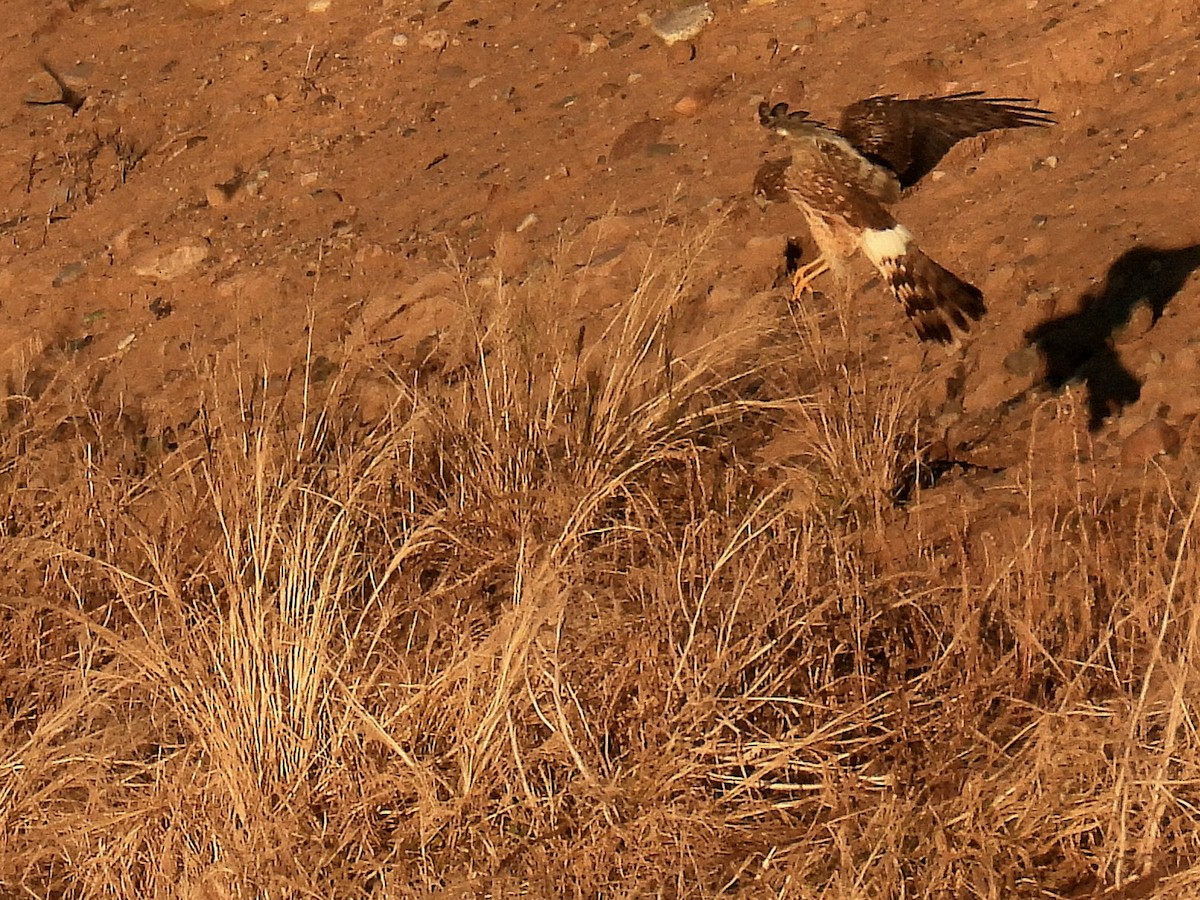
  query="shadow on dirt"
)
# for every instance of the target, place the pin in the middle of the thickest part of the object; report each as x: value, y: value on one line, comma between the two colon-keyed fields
x: 1079, y: 346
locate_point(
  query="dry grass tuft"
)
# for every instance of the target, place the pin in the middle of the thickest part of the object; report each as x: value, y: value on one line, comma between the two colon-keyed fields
x: 553, y: 628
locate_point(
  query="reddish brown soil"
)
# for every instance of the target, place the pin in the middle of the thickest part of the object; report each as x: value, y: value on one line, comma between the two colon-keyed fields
x: 327, y: 175
x: 254, y: 193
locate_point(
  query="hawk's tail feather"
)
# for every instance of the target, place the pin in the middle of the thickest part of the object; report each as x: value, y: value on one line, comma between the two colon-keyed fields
x: 933, y: 297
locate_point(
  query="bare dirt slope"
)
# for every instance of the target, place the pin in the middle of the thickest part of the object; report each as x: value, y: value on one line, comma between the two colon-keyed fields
x: 304, y: 170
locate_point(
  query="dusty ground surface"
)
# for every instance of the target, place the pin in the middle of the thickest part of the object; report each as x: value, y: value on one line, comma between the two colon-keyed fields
x: 306, y: 171
x: 254, y: 186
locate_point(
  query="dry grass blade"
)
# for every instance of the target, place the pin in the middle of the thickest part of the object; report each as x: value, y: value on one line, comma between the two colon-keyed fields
x: 603, y: 611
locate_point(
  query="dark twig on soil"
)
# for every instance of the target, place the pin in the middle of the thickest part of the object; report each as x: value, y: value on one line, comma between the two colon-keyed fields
x: 70, y: 98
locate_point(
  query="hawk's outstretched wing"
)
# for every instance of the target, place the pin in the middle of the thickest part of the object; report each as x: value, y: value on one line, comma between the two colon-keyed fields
x: 910, y: 137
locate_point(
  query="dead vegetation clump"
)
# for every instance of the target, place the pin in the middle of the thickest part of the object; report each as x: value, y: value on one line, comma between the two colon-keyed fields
x: 553, y: 627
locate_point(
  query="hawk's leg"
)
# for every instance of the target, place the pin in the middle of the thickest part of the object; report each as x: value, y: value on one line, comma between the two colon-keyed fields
x: 805, y: 275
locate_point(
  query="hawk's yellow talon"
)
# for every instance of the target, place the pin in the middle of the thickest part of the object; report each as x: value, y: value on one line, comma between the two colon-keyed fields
x: 804, y: 276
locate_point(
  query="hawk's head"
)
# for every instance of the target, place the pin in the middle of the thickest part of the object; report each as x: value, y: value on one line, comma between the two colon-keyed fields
x: 793, y: 124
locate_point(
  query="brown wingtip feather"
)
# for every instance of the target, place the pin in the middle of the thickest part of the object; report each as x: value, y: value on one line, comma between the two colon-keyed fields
x: 1020, y: 110
x: 771, y: 116
x: 933, y: 297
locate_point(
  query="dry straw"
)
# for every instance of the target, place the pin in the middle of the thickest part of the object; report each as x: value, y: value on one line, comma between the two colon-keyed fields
x: 569, y: 622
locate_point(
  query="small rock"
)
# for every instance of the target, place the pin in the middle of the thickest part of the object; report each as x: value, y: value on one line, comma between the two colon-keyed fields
x: 217, y: 195
x: 602, y: 261
x: 805, y: 26
x: 321, y: 369
x: 375, y: 399
x: 928, y: 73
x: 772, y: 244
x: 1044, y: 300
x: 318, y: 6
x: 69, y: 273
x: 1185, y: 360
x: 636, y: 137
x: 999, y: 279
x: 119, y: 245
x: 253, y: 183
x: 1140, y: 321
x: 1155, y: 438
x: 1023, y: 362
x: 691, y: 103
x: 400, y: 40
x: 222, y: 194
x: 677, y: 54
x: 435, y: 39
x: 171, y: 264
x: 511, y: 253
x: 993, y: 390
x: 571, y: 44
x: 681, y: 24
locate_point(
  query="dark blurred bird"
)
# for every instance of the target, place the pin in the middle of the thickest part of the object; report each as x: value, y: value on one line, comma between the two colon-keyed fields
x: 844, y: 179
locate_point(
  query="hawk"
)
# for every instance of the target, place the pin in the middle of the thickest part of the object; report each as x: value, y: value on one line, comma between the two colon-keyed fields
x: 843, y: 180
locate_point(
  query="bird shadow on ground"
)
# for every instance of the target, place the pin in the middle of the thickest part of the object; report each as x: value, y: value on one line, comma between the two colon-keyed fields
x: 1079, y: 346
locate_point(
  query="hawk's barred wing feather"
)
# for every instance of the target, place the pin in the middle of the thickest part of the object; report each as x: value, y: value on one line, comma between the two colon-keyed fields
x: 852, y: 168
x: 910, y: 137
x: 820, y: 179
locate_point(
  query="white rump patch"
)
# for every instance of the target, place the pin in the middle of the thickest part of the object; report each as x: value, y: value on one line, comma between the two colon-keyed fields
x: 885, y: 243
